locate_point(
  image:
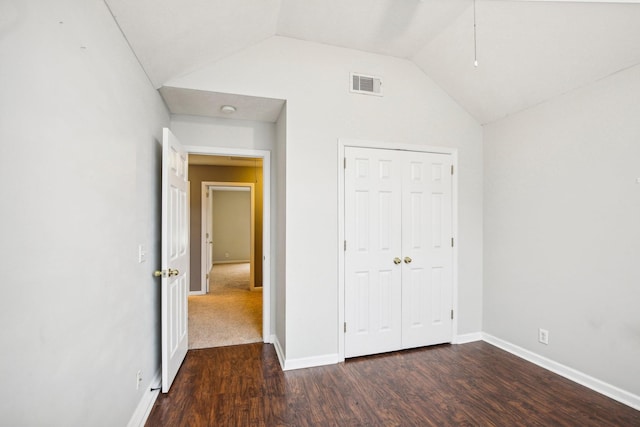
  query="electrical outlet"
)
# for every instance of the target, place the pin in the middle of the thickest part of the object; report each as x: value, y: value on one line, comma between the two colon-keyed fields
x: 543, y: 336
x: 138, y: 379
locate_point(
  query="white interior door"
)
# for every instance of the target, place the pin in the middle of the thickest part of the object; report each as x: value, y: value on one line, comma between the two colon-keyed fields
x: 373, y: 242
x: 174, y: 257
x: 427, y: 281
x: 209, y: 232
x: 398, y: 258
x: 206, y: 246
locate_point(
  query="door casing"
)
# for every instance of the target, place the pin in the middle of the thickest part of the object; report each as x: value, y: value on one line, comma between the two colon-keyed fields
x: 207, y: 188
x: 342, y: 143
x: 265, y: 155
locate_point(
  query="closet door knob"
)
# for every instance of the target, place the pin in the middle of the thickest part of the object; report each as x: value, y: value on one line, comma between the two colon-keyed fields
x: 407, y: 260
x: 397, y: 260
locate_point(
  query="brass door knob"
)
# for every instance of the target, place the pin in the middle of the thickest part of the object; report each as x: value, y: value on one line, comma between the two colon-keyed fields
x: 407, y: 260
x: 166, y: 273
x: 397, y: 260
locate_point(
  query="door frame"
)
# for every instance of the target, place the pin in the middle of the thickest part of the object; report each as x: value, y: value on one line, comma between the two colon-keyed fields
x: 207, y: 188
x: 385, y: 145
x: 265, y: 155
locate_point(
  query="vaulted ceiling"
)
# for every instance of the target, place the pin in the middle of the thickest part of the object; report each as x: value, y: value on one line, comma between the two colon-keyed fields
x: 527, y: 51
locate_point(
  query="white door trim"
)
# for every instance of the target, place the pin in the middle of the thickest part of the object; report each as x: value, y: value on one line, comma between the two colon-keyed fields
x: 265, y: 155
x: 346, y: 142
x: 204, y: 250
x: 213, y: 185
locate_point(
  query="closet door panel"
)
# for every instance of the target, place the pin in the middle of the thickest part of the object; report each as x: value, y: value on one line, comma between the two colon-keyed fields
x: 372, y: 234
x: 398, y: 257
x: 426, y: 248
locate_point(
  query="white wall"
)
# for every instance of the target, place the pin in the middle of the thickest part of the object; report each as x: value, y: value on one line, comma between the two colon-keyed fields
x: 216, y: 132
x: 562, y: 230
x: 79, y: 161
x: 314, y: 80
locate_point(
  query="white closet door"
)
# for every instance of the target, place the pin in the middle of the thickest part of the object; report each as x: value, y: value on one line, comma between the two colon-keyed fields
x: 373, y: 180
x: 398, y: 207
x: 426, y: 250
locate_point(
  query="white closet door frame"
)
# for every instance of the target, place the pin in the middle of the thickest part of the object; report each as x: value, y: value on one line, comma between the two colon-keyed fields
x: 342, y: 143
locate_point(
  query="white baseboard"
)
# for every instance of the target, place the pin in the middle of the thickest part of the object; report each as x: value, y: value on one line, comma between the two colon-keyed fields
x: 310, y: 362
x: 140, y: 415
x: 279, y: 350
x: 305, y: 362
x: 467, y: 338
x: 594, y: 384
x: 233, y: 261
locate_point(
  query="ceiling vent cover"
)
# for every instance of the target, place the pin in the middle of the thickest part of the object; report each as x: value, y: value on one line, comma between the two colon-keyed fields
x: 368, y: 85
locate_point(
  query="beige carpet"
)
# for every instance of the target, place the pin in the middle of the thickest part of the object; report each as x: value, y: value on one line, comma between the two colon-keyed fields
x: 229, y: 314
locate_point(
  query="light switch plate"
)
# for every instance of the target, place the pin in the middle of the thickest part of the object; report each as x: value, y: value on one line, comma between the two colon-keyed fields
x: 142, y: 254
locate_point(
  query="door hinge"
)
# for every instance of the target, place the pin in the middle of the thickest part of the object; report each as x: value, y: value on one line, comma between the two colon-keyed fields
x: 345, y: 327
x: 345, y: 163
x: 452, y: 242
x: 345, y: 245
x: 451, y: 169
x: 451, y: 314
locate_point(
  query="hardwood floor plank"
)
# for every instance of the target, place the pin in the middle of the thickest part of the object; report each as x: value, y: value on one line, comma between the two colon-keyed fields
x: 472, y: 384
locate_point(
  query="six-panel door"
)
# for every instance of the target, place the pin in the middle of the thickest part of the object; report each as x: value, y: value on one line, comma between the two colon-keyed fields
x: 373, y: 297
x: 174, y: 257
x: 398, y: 257
x: 426, y: 242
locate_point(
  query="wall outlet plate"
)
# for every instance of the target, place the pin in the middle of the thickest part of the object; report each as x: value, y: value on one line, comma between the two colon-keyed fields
x: 543, y: 336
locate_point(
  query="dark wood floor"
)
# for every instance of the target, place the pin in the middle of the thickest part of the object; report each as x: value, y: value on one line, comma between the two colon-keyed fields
x: 472, y: 384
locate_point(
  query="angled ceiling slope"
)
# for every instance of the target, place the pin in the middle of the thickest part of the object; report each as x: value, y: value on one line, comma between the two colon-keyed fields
x: 174, y: 37
x: 528, y: 51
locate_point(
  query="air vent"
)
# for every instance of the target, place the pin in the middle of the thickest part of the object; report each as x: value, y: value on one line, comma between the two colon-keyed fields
x: 368, y: 85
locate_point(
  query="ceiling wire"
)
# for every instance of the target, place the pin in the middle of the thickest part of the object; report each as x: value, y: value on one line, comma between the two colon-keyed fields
x: 475, y: 37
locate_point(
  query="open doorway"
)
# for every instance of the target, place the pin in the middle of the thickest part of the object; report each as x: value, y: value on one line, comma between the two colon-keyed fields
x: 230, y: 218
x: 226, y: 303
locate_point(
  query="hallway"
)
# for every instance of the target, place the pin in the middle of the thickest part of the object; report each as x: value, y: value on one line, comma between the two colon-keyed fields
x: 230, y: 313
